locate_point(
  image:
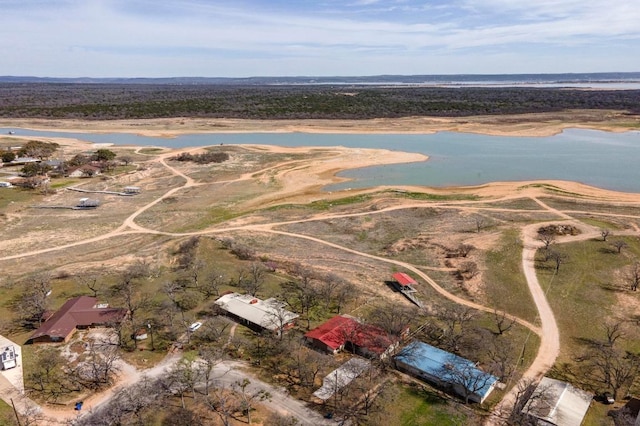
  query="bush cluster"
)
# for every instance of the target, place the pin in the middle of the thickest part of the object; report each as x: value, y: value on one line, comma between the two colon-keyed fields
x: 205, y: 158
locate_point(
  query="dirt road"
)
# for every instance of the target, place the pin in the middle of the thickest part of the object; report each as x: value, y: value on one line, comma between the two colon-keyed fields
x: 548, y: 330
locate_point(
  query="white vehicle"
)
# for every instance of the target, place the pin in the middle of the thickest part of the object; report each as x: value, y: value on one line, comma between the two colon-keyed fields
x: 8, y: 358
x: 196, y: 325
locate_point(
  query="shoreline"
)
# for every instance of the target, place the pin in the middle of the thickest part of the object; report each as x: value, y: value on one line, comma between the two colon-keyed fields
x: 533, y: 124
x: 348, y: 158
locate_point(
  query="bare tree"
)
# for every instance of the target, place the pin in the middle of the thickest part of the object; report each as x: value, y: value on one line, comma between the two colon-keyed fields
x: 279, y: 317
x: 92, y: 282
x: 480, y: 222
x: 33, y: 300
x: 303, y: 294
x: 613, y: 331
x: 558, y: 258
x: 343, y: 294
x: 47, y: 375
x: 212, y: 284
x: 632, y: 276
x: 329, y: 285
x: 213, y: 330
x: 619, y: 245
x: 502, y: 361
x: 195, y: 270
x: 224, y: 403
x: 210, y: 357
x: 466, y: 378
x: 251, y: 279
x: 526, y: 398
x: 547, y: 237
x: 611, y: 367
x: 503, y: 323
x: 454, y: 328
x: 182, y: 378
x: 395, y: 320
x: 128, y: 290
x: 604, y: 233
x: 249, y: 396
x: 99, y: 366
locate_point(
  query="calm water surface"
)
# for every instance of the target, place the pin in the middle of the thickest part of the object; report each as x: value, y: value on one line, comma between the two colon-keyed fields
x: 601, y: 159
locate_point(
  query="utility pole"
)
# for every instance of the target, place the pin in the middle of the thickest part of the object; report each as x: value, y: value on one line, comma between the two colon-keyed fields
x: 151, y: 332
x: 15, y: 412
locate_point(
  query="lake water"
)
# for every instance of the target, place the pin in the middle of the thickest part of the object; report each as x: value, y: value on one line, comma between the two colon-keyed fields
x: 601, y: 159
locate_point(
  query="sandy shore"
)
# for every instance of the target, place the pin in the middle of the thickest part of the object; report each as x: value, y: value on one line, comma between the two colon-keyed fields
x: 544, y: 124
x: 322, y: 173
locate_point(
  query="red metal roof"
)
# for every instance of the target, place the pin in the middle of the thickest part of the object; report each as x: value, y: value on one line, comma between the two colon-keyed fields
x: 331, y: 333
x: 404, y: 279
x: 339, y: 330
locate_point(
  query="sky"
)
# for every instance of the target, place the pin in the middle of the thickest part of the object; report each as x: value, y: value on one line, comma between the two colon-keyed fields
x: 243, y: 38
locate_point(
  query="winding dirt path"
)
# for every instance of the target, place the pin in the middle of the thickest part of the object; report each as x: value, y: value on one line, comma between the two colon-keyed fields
x: 548, y: 330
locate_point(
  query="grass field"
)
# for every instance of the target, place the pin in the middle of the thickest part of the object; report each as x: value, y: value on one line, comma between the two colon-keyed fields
x: 506, y: 286
x: 416, y: 405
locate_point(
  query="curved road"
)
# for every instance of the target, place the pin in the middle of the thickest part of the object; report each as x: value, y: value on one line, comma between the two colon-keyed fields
x: 548, y: 331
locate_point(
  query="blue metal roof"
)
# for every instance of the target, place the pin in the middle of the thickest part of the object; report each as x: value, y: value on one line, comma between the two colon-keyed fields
x: 443, y: 365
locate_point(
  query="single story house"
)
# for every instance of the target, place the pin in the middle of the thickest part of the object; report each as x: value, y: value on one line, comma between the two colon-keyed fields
x: 77, y: 313
x: 446, y: 370
x: 257, y: 314
x: 341, y: 377
x: 557, y: 403
x: 343, y: 332
x: 85, y: 170
x: 8, y: 358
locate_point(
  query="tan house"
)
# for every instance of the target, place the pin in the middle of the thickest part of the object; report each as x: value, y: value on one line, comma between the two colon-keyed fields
x: 86, y: 170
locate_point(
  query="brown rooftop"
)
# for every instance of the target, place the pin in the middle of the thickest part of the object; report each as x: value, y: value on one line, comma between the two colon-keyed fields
x: 81, y: 311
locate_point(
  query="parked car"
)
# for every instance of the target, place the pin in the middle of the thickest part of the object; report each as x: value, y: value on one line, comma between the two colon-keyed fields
x: 608, y: 398
x: 196, y: 325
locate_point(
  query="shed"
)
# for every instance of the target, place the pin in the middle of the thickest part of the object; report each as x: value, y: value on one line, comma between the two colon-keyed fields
x: 558, y: 403
x: 131, y: 190
x: 404, y: 279
x: 88, y: 203
x: 341, y: 377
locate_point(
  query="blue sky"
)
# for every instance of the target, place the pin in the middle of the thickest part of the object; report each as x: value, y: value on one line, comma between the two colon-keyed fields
x: 241, y: 38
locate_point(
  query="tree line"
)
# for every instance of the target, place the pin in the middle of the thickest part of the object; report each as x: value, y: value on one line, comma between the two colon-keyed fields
x: 112, y: 101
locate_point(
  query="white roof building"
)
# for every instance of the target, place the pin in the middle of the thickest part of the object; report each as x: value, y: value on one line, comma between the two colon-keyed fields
x: 558, y: 403
x: 341, y: 377
x: 266, y: 314
x: 7, y: 358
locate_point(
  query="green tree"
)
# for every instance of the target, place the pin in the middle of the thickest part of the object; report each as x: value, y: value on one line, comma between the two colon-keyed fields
x: 38, y: 149
x: 104, y: 155
x: 34, y: 169
x: 7, y: 156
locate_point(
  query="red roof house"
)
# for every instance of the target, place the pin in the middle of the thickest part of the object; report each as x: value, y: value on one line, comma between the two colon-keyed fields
x: 79, y: 312
x: 344, y: 332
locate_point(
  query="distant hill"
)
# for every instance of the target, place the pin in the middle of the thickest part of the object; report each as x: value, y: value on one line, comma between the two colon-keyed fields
x: 480, y: 79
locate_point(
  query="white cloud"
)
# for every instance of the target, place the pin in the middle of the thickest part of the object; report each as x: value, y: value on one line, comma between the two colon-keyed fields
x: 138, y: 36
